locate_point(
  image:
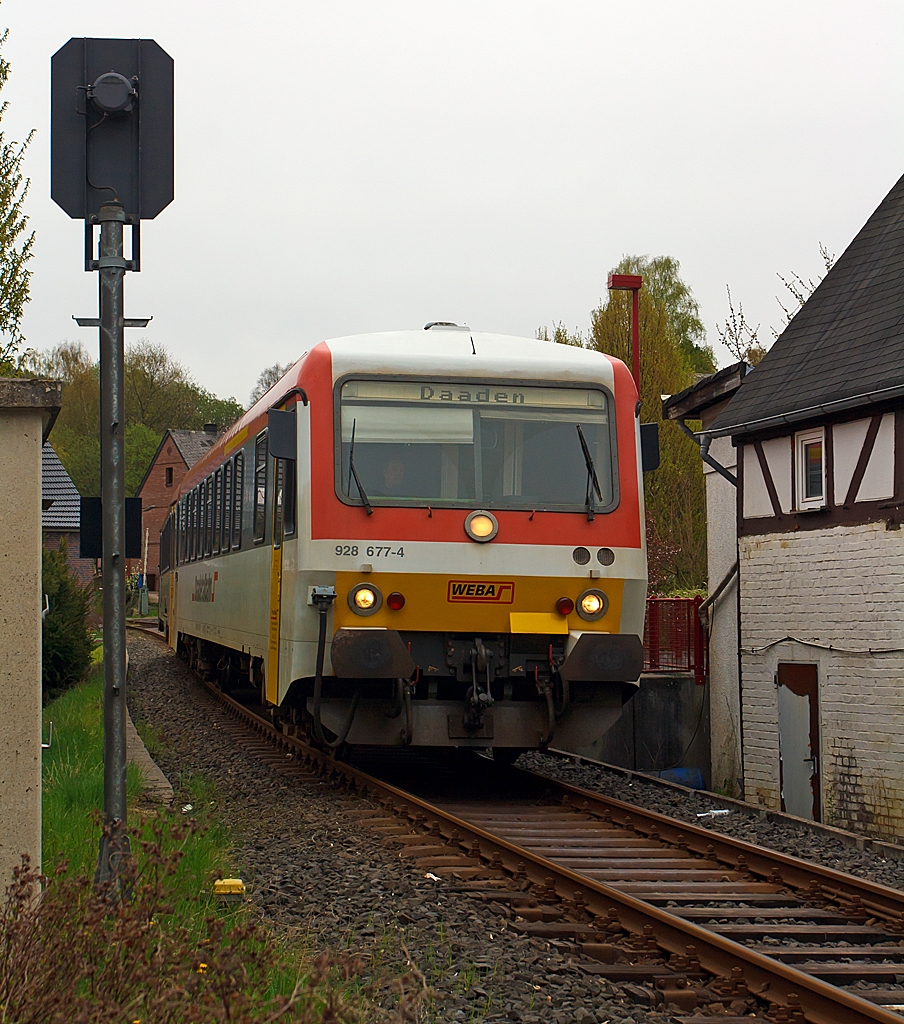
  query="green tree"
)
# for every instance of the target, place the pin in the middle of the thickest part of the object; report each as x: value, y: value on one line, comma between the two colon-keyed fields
x: 160, y: 394
x: 672, y: 351
x: 67, y: 643
x: 16, y: 244
x: 158, y: 390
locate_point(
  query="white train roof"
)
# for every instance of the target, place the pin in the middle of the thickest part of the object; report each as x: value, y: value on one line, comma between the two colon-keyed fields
x: 448, y: 352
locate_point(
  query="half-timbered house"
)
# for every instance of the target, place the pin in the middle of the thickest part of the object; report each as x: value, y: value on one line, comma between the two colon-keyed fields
x: 818, y: 428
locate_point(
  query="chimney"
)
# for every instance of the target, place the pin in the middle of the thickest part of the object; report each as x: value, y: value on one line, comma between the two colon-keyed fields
x: 210, y: 428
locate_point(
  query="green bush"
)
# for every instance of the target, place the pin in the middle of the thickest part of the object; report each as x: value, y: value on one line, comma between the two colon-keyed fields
x: 67, y: 639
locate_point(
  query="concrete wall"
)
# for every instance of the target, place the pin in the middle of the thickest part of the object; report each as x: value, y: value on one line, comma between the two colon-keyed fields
x: 665, y: 725
x: 24, y: 415
x: 841, y: 587
x: 724, y: 690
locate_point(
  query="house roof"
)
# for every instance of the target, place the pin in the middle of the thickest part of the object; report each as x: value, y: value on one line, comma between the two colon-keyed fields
x: 708, y: 391
x: 192, y: 445
x: 63, y: 512
x: 845, y: 347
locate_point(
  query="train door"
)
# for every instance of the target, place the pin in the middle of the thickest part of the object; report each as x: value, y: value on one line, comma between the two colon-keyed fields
x: 798, y: 740
x: 268, y: 499
x: 172, y: 633
x: 279, y: 448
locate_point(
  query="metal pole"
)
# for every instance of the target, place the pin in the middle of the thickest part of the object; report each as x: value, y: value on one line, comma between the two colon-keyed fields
x: 114, y: 844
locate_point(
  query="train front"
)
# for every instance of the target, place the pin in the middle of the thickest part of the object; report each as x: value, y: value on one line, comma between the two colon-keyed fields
x: 477, y: 542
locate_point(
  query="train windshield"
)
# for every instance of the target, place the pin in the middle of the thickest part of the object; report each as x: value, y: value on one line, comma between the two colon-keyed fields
x: 472, y: 444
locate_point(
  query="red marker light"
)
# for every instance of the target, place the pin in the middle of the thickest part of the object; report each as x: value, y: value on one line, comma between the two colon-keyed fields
x: 396, y: 600
x: 564, y: 606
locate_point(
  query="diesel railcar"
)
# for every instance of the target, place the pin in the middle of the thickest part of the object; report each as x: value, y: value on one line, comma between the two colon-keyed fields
x: 430, y: 538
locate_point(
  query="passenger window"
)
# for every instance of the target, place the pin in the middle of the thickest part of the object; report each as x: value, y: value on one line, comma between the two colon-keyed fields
x: 208, y: 542
x: 238, y: 498
x: 202, y: 519
x: 227, y: 506
x: 217, y: 510
x: 261, y: 458
x: 290, y: 498
x: 279, y: 475
x: 195, y: 524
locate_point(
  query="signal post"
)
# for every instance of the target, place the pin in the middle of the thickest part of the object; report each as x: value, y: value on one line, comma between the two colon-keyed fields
x: 112, y: 166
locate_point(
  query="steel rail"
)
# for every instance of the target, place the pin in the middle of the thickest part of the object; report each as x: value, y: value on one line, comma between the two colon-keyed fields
x: 792, y: 871
x: 767, y: 979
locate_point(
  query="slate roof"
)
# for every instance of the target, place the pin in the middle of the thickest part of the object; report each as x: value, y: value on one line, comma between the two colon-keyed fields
x: 56, y: 485
x: 193, y: 445
x: 844, y: 345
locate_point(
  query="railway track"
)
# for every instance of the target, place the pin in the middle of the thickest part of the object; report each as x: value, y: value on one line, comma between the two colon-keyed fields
x: 715, y: 924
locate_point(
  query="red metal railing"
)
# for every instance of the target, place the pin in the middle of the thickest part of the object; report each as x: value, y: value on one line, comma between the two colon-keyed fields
x: 674, y: 640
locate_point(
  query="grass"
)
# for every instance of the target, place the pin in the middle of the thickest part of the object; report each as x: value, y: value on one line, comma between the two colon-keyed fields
x: 73, y: 800
x: 73, y: 776
x: 73, y: 791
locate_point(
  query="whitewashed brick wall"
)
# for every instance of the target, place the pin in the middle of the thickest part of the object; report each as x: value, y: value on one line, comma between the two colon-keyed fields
x: 842, y: 587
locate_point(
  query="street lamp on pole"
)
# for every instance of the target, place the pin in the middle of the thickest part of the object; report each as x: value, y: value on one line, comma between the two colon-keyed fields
x: 631, y: 283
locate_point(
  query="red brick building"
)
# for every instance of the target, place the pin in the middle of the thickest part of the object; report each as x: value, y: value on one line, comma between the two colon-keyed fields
x: 178, y: 452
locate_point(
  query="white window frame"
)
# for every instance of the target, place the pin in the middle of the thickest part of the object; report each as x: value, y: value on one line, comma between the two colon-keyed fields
x: 801, y: 439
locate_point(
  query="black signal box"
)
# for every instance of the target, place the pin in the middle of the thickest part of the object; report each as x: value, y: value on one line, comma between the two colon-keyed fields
x: 91, y: 533
x: 111, y: 127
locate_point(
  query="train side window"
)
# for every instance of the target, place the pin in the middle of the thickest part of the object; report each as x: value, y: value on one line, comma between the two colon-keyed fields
x: 226, y: 537
x: 279, y: 476
x: 217, y: 510
x: 261, y: 458
x: 208, y: 533
x: 166, y: 538
x: 183, y: 530
x: 202, y: 517
x: 196, y: 519
x: 238, y: 497
x: 290, y: 497
x: 192, y: 525
x: 179, y: 532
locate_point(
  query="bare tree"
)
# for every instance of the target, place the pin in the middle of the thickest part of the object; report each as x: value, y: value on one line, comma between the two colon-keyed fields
x: 801, y: 288
x: 738, y: 336
x: 267, y: 379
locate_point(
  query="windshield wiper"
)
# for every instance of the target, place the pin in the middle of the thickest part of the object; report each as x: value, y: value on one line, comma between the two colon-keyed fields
x: 353, y: 473
x: 593, y: 483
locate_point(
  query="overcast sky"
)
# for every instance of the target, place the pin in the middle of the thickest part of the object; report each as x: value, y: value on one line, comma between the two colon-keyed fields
x: 344, y: 167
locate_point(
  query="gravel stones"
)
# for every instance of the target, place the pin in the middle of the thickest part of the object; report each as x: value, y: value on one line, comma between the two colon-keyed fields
x: 314, y: 870
x: 796, y: 840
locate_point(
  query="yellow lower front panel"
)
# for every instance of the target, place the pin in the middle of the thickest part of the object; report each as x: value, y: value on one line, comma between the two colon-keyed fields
x: 465, y: 604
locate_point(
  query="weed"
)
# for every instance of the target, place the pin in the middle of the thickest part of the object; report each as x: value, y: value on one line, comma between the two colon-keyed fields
x: 82, y: 956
